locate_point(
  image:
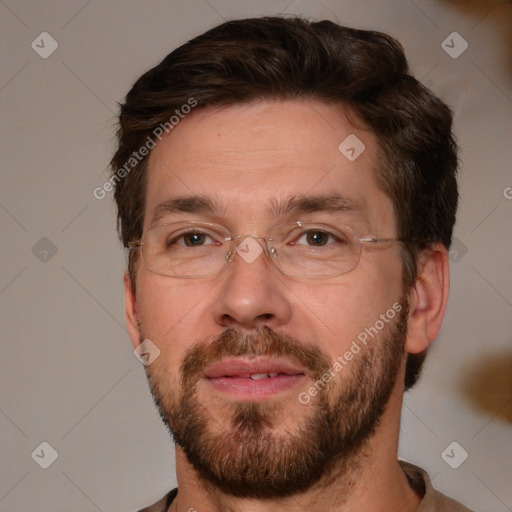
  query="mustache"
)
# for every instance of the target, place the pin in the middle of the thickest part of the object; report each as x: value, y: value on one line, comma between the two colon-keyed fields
x: 262, y: 342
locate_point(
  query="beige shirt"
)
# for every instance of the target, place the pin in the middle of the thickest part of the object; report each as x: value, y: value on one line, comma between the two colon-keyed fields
x: 432, y: 500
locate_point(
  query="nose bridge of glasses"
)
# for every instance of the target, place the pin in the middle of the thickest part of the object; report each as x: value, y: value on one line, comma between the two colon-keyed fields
x: 249, y: 247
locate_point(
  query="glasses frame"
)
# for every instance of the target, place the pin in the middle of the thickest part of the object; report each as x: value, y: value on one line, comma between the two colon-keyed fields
x: 269, y: 250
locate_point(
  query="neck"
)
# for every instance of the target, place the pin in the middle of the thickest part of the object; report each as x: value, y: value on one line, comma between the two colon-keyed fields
x: 371, y: 480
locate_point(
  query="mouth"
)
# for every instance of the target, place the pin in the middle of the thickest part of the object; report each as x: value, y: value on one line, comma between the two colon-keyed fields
x: 254, y: 378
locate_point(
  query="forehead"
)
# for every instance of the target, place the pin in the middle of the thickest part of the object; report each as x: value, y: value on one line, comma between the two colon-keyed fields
x: 249, y: 161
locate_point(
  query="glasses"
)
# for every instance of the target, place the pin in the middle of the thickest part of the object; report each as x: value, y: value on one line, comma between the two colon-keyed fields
x: 193, y: 249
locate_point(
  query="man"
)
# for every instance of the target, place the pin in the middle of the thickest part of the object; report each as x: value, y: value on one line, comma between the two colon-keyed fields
x: 288, y: 194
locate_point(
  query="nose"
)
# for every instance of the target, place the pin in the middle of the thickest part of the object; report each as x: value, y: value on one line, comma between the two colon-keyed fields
x: 251, y: 293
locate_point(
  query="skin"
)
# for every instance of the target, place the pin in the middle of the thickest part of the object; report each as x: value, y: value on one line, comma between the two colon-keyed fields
x: 245, y: 156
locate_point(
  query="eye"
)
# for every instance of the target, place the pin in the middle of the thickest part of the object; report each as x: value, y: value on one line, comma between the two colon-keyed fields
x: 316, y: 238
x: 192, y: 239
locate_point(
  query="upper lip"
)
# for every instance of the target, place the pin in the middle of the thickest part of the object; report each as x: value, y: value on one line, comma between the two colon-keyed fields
x: 235, y: 367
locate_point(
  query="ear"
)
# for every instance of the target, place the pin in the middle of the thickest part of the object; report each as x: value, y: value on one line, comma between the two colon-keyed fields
x: 130, y: 311
x: 428, y: 298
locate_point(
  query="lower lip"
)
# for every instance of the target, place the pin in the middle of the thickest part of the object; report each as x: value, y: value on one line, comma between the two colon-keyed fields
x: 249, y: 389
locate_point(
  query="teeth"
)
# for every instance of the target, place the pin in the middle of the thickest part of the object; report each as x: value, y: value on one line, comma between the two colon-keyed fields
x: 258, y: 376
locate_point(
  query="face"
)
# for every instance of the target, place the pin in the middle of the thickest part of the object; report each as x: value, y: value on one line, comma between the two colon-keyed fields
x: 244, y: 354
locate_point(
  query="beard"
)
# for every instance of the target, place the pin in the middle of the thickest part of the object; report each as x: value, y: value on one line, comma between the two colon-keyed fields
x: 248, y: 457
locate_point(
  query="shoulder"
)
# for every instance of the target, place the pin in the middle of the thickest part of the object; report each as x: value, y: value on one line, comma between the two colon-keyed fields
x: 162, y: 504
x: 433, y: 501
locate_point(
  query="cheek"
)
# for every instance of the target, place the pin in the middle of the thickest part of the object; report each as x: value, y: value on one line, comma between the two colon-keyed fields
x: 171, y: 313
x: 326, y: 316
x: 328, y: 310
x: 380, y: 274
x: 332, y: 315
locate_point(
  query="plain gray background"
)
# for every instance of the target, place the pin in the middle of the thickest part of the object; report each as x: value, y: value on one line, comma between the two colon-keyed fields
x: 68, y: 375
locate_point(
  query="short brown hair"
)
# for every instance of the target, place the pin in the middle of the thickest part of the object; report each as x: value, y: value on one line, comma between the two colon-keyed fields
x: 247, y: 60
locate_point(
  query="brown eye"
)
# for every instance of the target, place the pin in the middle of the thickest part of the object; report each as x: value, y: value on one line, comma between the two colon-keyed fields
x: 317, y: 238
x: 190, y: 239
x: 194, y: 239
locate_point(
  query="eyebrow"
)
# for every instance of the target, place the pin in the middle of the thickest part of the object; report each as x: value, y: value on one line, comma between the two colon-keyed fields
x: 184, y: 204
x: 292, y: 205
x: 311, y: 204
